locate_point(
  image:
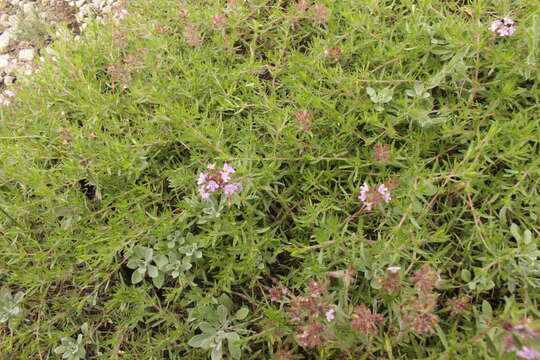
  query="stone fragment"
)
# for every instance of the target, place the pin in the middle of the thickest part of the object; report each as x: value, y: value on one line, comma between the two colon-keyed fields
x: 4, y: 61
x: 26, y: 54
x: 5, y: 41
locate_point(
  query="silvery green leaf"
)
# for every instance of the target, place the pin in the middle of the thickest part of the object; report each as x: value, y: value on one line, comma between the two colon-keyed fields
x: 161, y: 260
x: 527, y: 237
x: 217, y: 352
x: 371, y: 92
x: 514, y: 229
x: 152, y: 271
x: 139, y: 251
x: 232, y: 336
x: 242, y: 313
x: 222, y: 313
x: 133, y: 263
x: 158, y: 280
x: 466, y: 275
x: 20, y: 295
x: 386, y: 95
x: 207, y: 328
x: 234, y: 349
x: 148, y: 253
x: 60, y: 349
x: 136, y: 277
x: 201, y: 341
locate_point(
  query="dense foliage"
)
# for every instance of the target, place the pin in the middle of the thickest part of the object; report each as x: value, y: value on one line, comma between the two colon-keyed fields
x: 277, y: 179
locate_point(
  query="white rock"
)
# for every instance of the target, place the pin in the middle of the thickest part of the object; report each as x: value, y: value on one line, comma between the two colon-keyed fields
x: 8, y: 79
x: 5, y: 41
x: 28, y: 8
x: 26, y: 54
x: 4, y: 61
x: 13, y: 20
x: 4, y: 20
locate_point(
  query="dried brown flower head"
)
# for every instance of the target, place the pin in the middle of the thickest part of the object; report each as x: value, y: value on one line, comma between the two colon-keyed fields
x: 219, y: 22
x: 459, y: 305
x: 334, y: 53
x: 391, y: 282
x: 311, y: 334
x: 303, y: 118
x: 278, y: 293
x: 364, y: 321
x: 381, y: 153
x: 302, y: 5
x: 426, y: 279
x: 418, y: 312
x: 320, y: 13
x: 192, y: 36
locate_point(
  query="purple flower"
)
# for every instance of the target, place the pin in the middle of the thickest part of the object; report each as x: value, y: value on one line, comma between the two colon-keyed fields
x: 330, y: 315
x: 228, y: 169
x: 202, y: 178
x: 204, y: 194
x: 528, y: 353
x: 383, y: 190
x: 232, y: 188
x: 370, y: 196
x: 225, y: 173
x: 503, y: 27
x: 364, y: 189
x: 212, y: 186
x: 213, y: 180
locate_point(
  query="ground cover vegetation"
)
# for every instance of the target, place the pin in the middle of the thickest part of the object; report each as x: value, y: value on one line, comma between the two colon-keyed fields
x: 269, y: 179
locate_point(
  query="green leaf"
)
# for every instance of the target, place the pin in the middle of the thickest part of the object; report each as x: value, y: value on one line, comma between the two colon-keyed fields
x: 133, y: 263
x: 386, y: 95
x: 161, y: 260
x: 136, y: 277
x: 152, y: 271
x: 527, y: 237
x: 232, y: 336
x: 158, y: 280
x: 222, y: 313
x: 242, y: 313
x: 206, y: 327
x: 203, y: 341
x: 60, y: 349
x: 487, y: 311
x: 148, y: 253
x: 226, y: 300
x: 234, y: 350
x: 491, y: 347
x: 514, y: 229
x: 466, y: 275
x: 217, y: 352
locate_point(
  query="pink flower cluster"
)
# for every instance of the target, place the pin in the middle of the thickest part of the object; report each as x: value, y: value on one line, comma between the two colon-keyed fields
x: 213, y: 180
x: 503, y: 27
x: 371, y: 196
x: 528, y: 353
x: 119, y: 12
x: 5, y: 97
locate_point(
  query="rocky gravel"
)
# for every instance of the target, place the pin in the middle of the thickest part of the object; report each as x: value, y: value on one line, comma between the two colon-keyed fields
x: 27, y: 28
